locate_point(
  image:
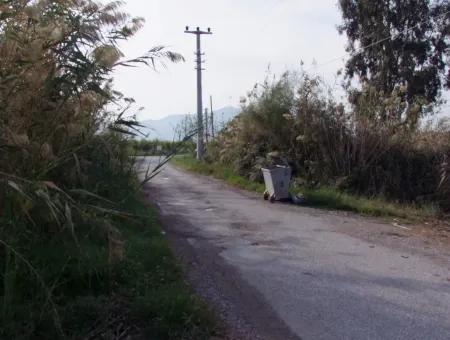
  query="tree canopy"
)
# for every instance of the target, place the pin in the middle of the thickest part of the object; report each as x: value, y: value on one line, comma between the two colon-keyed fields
x: 398, y: 45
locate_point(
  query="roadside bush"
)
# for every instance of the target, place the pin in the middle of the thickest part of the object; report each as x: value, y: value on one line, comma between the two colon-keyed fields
x: 296, y: 120
x: 160, y: 148
x: 65, y: 168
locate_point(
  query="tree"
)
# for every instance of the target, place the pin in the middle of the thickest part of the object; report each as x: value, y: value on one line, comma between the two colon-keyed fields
x: 398, y: 45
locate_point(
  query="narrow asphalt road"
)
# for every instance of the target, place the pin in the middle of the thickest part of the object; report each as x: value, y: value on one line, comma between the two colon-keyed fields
x: 276, y: 271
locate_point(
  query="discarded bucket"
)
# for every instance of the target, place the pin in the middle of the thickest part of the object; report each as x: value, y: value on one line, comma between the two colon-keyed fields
x: 277, y: 180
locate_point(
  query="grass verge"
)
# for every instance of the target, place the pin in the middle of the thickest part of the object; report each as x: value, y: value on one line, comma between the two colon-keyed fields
x: 142, y: 291
x: 152, y: 280
x: 324, y: 197
x: 218, y: 171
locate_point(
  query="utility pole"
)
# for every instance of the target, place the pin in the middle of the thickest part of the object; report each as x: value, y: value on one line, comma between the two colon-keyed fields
x: 212, y: 118
x: 199, y: 54
x: 185, y: 123
x: 206, y: 125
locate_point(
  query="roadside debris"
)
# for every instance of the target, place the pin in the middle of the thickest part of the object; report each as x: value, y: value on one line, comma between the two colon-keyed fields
x: 298, y: 199
x: 395, y: 224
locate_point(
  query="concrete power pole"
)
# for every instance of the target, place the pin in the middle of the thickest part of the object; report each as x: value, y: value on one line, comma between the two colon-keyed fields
x: 200, y: 136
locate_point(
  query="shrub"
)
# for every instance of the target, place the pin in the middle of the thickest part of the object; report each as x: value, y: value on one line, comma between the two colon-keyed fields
x: 160, y: 148
x: 295, y: 120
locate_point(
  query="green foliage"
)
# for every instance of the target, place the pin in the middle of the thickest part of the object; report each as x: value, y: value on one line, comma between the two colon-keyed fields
x: 218, y: 170
x: 152, y: 279
x: 71, y: 227
x: 159, y: 148
x: 295, y: 120
x: 322, y: 197
x: 398, y: 46
x: 332, y: 198
x: 120, y: 265
x: 261, y: 128
x: 114, y: 265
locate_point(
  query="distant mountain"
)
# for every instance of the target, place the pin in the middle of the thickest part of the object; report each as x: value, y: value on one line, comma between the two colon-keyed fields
x: 164, y: 129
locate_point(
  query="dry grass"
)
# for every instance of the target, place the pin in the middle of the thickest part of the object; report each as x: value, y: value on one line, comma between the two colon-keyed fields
x: 296, y: 120
x: 69, y: 216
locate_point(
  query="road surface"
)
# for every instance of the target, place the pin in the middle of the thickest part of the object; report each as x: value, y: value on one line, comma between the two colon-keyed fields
x: 277, y: 271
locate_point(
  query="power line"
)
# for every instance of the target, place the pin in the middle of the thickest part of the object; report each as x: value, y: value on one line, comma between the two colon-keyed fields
x: 362, y: 48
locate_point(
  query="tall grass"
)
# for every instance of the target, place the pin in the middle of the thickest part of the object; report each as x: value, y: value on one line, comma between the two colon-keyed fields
x: 296, y: 120
x: 69, y: 228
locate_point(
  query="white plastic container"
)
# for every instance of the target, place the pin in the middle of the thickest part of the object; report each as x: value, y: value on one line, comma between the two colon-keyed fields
x: 277, y: 180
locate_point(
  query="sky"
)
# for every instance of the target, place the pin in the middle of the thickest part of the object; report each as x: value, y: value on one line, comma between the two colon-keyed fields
x: 249, y: 36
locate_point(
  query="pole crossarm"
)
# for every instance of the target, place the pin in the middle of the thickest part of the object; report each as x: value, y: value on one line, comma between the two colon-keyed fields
x: 197, y: 31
